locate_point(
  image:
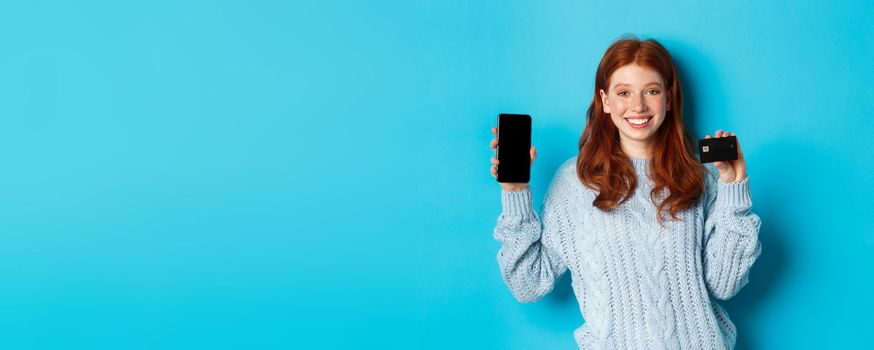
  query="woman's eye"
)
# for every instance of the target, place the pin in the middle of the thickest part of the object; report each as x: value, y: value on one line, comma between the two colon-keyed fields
x: 650, y: 91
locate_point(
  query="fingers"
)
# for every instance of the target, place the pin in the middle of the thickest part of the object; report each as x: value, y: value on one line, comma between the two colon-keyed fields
x: 721, y: 133
x: 724, y: 134
x: 494, y: 161
x: 494, y: 143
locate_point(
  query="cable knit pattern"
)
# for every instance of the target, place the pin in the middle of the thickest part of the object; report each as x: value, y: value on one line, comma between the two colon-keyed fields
x: 639, y: 285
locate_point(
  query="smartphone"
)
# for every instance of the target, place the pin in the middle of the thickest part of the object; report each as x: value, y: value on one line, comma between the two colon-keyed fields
x: 717, y: 149
x: 514, y: 146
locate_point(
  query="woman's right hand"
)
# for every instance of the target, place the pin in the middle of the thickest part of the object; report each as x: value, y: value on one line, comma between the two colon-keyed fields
x: 508, y: 186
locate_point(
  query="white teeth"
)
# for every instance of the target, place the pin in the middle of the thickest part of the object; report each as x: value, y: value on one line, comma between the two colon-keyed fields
x: 638, y: 121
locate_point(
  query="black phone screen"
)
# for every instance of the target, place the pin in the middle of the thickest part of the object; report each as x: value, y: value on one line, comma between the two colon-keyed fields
x: 514, y: 144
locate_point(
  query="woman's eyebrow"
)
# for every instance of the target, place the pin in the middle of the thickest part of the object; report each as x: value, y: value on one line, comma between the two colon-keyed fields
x: 647, y: 84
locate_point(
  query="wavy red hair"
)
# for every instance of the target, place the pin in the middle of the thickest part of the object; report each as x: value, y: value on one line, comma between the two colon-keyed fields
x: 605, y: 168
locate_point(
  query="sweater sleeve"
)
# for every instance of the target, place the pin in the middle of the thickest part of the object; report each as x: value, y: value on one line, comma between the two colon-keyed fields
x: 731, y: 231
x: 529, y: 258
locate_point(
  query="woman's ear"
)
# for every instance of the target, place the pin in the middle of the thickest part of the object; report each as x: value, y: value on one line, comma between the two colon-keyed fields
x: 604, y: 101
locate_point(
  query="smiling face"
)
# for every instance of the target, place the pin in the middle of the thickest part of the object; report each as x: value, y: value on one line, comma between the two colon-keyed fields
x: 637, y: 103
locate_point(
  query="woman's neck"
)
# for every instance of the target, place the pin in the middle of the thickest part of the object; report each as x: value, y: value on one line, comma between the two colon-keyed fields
x: 636, y: 149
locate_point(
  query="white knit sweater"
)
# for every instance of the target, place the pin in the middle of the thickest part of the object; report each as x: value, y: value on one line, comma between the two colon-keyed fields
x: 639, y: 286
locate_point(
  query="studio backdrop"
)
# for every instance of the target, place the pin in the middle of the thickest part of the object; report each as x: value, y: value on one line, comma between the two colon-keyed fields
x: 315, y: 174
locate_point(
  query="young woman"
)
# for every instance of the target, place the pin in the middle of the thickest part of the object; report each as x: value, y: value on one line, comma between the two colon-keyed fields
x: 651, y: 236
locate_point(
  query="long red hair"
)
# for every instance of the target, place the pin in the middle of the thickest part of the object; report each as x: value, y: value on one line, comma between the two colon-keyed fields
x: 605, y: 168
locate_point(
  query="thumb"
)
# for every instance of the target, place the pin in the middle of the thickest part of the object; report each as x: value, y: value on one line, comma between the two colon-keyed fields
x: 721, y: 166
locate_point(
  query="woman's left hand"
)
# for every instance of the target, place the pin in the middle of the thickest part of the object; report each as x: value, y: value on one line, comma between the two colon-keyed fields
x: 732, y: 170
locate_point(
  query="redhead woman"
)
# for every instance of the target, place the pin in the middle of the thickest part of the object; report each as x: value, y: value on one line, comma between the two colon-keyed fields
x: 653, y: 239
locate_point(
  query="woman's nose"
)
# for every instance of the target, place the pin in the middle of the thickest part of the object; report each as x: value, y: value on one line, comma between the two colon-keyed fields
x: 638, y: 104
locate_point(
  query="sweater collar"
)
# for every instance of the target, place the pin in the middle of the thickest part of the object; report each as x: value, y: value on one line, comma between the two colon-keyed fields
x: 641, y: 165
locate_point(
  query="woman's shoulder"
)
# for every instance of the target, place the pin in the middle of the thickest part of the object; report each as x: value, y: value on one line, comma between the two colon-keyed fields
x: 567, y: 171
x: 567, y: 174
x: 568, y: 167
x: 563, y: 176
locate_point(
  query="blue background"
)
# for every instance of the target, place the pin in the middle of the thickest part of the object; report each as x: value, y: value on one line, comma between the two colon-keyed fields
x: 265, y: 174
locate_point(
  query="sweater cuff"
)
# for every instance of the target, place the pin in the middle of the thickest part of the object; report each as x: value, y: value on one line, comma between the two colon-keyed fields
x: 734, y: 194
x: 517, y: 203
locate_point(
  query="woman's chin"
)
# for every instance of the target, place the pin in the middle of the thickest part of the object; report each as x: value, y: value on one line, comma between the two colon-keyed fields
x: 640, y: 135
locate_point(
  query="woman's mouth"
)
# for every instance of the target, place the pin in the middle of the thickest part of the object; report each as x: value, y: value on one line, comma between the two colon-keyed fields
x: 638, y: 123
